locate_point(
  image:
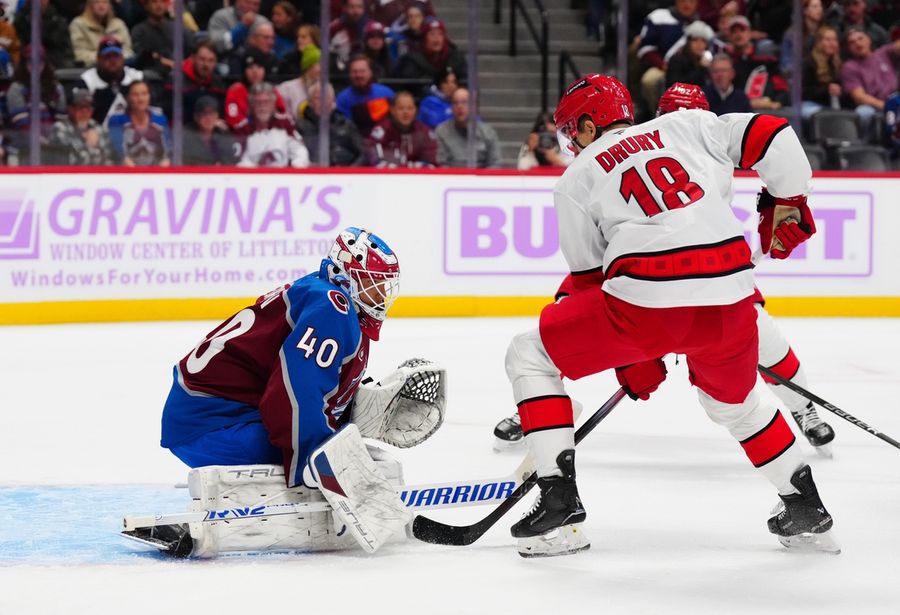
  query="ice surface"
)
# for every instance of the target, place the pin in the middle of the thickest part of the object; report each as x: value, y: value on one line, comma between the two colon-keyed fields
x: 675, y: 512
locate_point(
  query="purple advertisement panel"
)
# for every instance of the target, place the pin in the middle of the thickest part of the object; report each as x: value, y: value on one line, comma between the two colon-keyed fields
x: 513, y: 232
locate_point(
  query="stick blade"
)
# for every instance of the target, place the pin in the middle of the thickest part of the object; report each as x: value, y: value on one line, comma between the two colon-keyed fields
x: 437, y: 533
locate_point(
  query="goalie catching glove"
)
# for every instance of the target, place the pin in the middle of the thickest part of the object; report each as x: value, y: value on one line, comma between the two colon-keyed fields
x: 784, y: 223
x: 406, y: 407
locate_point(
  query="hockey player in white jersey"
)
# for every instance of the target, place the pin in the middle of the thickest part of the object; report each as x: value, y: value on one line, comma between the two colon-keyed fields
x: 659, y: 265
x: 774, y: 351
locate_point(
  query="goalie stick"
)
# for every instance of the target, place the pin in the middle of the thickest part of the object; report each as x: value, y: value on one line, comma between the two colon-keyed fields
x: 435, y: 532
x: 796, y: 388
x: 428, y: 496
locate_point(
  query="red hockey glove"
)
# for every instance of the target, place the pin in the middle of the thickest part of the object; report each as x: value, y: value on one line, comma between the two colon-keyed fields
x: 783, y: 223
x: 641, y: 379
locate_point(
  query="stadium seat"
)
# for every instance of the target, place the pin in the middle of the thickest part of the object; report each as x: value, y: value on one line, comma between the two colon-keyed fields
x: 863, y: 158
x: 835, y: 128
x: 817, y: 157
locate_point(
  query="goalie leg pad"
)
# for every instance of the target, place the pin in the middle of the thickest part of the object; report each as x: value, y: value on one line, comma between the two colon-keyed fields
x: 360, y: 494
x: 238, y: 487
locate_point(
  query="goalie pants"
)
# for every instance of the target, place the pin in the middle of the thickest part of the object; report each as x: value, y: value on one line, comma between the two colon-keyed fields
x: 592, y: 331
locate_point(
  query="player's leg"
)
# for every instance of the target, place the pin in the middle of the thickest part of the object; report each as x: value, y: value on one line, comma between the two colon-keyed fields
x: 777, y: 355
x: 724, y: 371
x: 567, y: 343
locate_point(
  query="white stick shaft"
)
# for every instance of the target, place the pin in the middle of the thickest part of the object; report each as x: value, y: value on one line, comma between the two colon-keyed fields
x: 428, y: 497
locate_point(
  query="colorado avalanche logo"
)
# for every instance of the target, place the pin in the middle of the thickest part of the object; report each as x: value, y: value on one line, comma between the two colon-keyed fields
x: 339, y: 301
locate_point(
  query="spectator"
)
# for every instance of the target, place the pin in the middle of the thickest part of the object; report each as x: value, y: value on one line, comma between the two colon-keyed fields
x: 452, y: 137
x: 364, y: 101
x: 388, y: 12
x: 407, y: 32
x: 822, y: 74
x: 662, y: 28
x: 284, y: 20
x: 206, y: 142
x: 690, y: 64
x: 18, y: 96
x: 229, y: 26
x: 711, y: 11
x: 541, y: 148
x: 140, y: 135
x: 9, y: 44
x: 435, y: 108
x: 344, y: 142
x: 769, y: 18
x: 854, y: 15
x: 869, y: 77
x: 269, y: 138
x: 200, y: 78
x: 722, y: 94
x: 295, y: 91
x: 154, y: 39
x: 756, y: 73
x: 436, y: 56
x: 78, y: 140
x: 203, y: 10
x: 307, y: 37
x: 9, y: 153
x: 97, y: 22
x: 129, y: 11
x: 400, y: 140
x: 375, y: 47
x: 54, y: 33
x: 237, y: 98
x: 261, y: 39
x: 108, y: 78
x: 813, y: 18
x: 347, y: 31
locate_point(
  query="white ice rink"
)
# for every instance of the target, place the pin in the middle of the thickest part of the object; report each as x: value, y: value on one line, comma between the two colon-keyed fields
x: 676, y: 514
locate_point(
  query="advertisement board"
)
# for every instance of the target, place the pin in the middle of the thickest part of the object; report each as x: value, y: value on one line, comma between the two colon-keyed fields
x: 154, y: 243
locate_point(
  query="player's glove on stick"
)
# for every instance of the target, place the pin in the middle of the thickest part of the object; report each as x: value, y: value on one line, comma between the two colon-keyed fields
x: 641, y: 379
x: 784, y: 223
x: 406, y: 407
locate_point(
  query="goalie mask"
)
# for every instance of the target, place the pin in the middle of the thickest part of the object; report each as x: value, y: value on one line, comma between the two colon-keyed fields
x: 364, y: 264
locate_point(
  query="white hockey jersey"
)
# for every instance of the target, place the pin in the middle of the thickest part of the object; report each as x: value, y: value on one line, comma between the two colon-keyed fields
x: 650, y: 205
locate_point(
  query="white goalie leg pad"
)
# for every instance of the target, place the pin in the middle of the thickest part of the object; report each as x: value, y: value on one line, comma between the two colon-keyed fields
x: 239, y: 487
x: 360, y: 494
x: 404, y: 408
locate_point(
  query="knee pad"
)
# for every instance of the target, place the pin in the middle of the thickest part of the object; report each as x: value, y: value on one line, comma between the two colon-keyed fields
x: 529, y: 368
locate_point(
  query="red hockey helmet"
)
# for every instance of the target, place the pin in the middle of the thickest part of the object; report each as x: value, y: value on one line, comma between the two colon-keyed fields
x: 682, y: 96
x: 363, y: 262
x: 601, y: 97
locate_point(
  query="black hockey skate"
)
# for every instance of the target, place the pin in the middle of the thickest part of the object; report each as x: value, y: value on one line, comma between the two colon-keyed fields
x: 800, y: 520
x: 508, y: 433
x: 814, y: 429
x: 553, y: 525
x: 173, y: 540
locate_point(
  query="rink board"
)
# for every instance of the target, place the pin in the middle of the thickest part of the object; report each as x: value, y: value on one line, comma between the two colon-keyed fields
x: 110, y: 245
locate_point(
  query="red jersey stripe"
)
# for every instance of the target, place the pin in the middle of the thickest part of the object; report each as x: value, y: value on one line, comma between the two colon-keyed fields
x: 758, y: 136
x: 707, y: 261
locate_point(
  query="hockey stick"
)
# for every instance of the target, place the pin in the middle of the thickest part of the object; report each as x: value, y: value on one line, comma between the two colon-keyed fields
x: 796, y: 388
x: 435, y: 532
x: 429, y: 496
